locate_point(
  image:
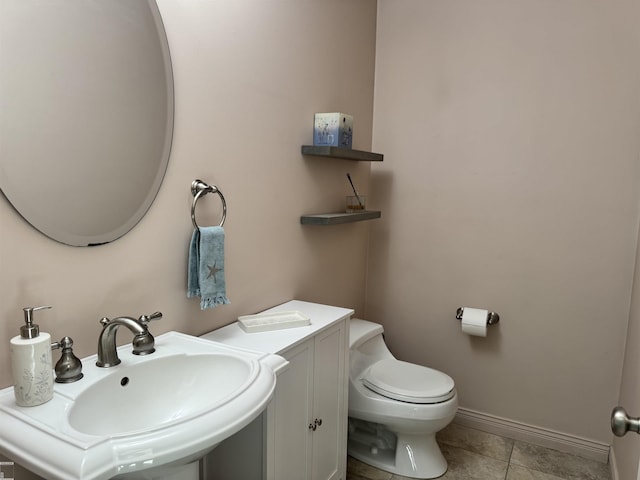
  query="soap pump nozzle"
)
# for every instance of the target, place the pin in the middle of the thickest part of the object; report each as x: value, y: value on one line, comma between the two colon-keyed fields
x: 29, y: 329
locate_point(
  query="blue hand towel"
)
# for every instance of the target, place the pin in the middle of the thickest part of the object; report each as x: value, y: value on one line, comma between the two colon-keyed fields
x: 206, y: 267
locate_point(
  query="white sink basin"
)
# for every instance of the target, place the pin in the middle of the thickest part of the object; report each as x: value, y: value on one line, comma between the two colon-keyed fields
x: 150, y: 395
x: 169, y: 407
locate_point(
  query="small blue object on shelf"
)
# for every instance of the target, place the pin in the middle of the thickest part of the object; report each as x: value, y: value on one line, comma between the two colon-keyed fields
x: 333, y: 129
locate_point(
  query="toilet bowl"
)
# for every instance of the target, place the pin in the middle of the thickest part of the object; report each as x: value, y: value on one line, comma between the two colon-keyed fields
x: 395, y: 407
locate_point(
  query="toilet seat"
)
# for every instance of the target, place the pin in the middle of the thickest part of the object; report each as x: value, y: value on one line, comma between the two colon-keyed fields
x: 408, y: 382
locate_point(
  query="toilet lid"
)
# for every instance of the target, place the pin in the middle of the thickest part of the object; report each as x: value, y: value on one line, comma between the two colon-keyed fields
x: 408, y: 382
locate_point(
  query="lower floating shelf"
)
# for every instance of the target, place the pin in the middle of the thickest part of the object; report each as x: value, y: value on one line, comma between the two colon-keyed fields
x: 337, y: 218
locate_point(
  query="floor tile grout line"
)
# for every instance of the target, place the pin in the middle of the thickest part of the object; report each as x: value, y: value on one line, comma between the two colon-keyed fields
x: 513, y: 444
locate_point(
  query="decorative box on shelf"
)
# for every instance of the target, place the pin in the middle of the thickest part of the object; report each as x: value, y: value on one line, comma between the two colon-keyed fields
x: 333, y: 129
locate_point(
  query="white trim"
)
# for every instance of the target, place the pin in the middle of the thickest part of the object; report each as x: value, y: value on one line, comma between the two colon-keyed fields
x: 535, y: 435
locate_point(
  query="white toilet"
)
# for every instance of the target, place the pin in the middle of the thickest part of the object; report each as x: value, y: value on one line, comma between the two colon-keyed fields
x: 395, y: 407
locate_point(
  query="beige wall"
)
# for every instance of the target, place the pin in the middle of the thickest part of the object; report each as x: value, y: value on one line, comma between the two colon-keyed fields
x: 249, y: 76
x: 510, y: 182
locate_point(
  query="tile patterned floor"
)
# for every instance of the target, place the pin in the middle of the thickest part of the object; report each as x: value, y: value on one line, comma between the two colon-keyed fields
x: 476, y: 455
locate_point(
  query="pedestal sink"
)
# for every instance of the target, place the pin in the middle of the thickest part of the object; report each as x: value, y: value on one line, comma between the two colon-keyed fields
x: 148, y: 416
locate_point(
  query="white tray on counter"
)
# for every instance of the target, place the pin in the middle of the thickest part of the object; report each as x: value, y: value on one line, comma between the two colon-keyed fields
x: 263, y: 322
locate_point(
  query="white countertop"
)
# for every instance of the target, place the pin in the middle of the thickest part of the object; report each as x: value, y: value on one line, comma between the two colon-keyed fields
x: 276, y: 341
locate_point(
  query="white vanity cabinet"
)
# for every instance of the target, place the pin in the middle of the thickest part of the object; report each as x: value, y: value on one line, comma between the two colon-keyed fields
x: 305, y: 424
x: 308, y: 411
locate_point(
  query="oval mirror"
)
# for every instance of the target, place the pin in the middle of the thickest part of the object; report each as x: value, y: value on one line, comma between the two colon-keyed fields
x: 86, y: 114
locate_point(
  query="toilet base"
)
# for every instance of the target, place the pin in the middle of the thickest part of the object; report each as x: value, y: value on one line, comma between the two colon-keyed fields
x: 414, y: 456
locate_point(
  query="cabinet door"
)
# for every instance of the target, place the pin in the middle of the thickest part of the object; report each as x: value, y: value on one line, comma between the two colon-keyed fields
x: 329, y: 438
x: 292, y: 411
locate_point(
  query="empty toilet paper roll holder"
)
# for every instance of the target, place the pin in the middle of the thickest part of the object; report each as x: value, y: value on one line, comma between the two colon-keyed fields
x: 492, y: 317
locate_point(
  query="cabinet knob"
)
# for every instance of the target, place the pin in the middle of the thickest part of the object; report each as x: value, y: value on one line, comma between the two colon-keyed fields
x: 316, y: 423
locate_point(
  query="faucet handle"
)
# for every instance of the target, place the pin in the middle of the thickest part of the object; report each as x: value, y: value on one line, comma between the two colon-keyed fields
x: 145, y: 319
x: 144, y: 343
x: 69, y: 368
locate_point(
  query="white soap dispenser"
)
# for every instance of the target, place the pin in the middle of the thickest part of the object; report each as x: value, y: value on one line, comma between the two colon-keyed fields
x: 31, y: 363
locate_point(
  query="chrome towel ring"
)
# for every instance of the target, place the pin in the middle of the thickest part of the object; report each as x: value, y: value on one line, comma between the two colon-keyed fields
x: 198, y: 189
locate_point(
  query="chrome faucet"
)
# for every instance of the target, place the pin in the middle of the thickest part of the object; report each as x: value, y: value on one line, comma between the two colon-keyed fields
x: 143, y: 342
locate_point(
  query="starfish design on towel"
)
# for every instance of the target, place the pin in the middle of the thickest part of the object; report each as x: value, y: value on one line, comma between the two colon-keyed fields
x: 213, y: 270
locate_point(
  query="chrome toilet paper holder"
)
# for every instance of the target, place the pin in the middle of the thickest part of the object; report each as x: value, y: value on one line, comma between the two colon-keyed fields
x: 492, y: 317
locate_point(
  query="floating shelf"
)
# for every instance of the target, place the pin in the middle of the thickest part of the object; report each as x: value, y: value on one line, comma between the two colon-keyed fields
x: 337, y: 218
x: 338, y: 152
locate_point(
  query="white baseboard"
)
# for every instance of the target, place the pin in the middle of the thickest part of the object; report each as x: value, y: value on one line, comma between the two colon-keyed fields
x: 535, y: 435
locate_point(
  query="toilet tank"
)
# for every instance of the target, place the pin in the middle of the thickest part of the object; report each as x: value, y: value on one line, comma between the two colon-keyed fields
x: 366, y: 345
x: 362, y: 330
